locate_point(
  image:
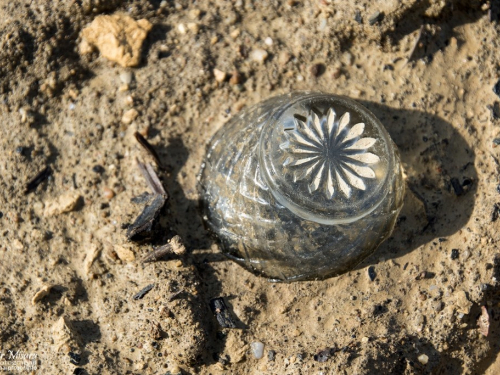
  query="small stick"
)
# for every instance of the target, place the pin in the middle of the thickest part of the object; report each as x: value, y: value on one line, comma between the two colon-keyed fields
x: 415, y: 44
x: 151, y: 178
x: 158, y: 253
x: 143, y: 292
x: 173, y: 296
x: 37, y: 180
x: 150, y: 149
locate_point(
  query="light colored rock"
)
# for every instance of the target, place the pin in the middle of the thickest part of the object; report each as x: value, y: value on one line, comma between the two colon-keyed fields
x: 126, y: 255
x: 64, y: 335
x: 259, y: 55
x: 463, y: 304
x: 257, y: 349
x: 235, y: 346
x: 126, y: 77
x: 423, y: 359
x: 219, y: 75
x: 193, y: 27
x: 44, y: 291
x: 178, y: 247
x: 181, y: 28
x: 129, y: 116
x: 92, y: 254
x: 118, y: 38
x: 65, y: 203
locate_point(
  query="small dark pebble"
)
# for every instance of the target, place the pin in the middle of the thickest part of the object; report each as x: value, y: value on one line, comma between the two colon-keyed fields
x: 496, y: 212
x: 323, y: 355
x: 98, y: 169
x: 271, y: 355
x: 498, y: 191
x: 301, y: 356
x: 19, y: 150
x: 155, y: 345
x: 79, y: 371
x: 317, y: 69
x: 371, y: 273
x: 496, y: 141
x: 388, y: 67
x: 454, y: 254
x: 74, y: 358
x: 357, y: 17
x: 457, y: 187
x: 143, y: 292
x: 494, y: 110
x: 496, y: 88
x: 1, y: 214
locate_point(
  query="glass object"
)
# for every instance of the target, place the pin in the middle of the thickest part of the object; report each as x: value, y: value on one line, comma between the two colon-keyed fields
x: 301, y: 186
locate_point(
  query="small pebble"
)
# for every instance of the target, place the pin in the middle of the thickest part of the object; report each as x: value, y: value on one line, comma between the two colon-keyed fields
x: 98, y: 169
x: 365, y: 339
x: 268, y: 41
x: 219, y: 75
x: 126, y: 77
x: 181, y: 28
x: 317, y: 70
x: 259, y: 55
x: 236, y: 78
x: 194, y: 14
x: 108, y: 193
x: 271, y: 355
x: 257, y: 349
x: 129, y: 116
x: 375, y: 17
x: 496, y: 88
x: 454, y: 254
x: 193, y: 27
x: 371, y: 273
x: 423, y: 359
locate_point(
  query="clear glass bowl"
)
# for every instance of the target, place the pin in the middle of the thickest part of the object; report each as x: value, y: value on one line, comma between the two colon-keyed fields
x: 301, y: 186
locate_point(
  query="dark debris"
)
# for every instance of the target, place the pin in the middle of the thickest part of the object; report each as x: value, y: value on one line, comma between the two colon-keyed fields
x: 371, y: 273
x: 323, y: 355
x: 221, y: 312
x: 74, y: 358
x: 496, y: 212
x: 37, y: 180
x: 149, y: 148
x: 143, y: 292
x: 496, y: 88
x: 143, y: 224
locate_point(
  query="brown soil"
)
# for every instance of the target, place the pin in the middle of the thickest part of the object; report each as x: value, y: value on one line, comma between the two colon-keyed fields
x: 68, y: 273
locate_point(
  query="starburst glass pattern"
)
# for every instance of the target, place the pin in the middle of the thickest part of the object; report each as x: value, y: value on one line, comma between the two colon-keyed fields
x: 330, y: 154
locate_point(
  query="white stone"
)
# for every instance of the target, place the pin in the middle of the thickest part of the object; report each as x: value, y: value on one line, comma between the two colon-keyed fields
x: 423, y: 359
x: 257, y: 349
x: 259, y: 55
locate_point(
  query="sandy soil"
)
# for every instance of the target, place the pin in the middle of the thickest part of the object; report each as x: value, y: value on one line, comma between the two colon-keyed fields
x: 426, y: 68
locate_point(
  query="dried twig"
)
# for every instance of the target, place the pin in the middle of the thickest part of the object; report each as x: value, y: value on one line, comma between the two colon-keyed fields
x: 143, y: 292
x: 415, y: 43
x: 158, y: 253
x: 150, y: 149
x: 151, y: 178
x: 37, y: 180
x: 145, y: 221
